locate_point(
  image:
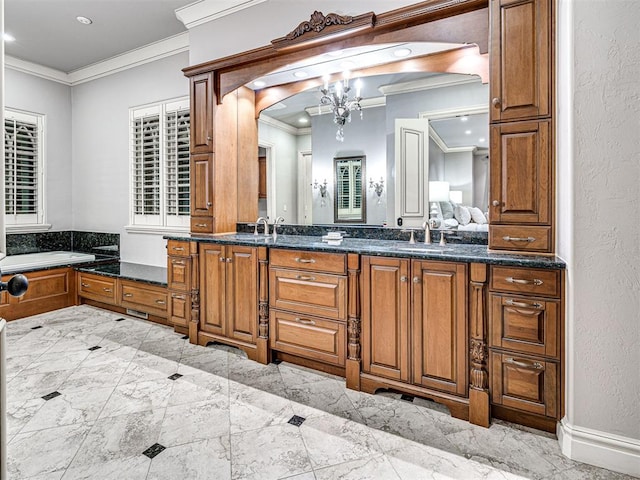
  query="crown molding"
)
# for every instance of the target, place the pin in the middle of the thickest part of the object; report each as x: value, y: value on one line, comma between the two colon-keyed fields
x: 204, y: 11
x: 444, y: 147
x: 285, y: 127
x: 366, y: 103
x: 439, y: 81
x: 133, y: 58
x: 36, y: 70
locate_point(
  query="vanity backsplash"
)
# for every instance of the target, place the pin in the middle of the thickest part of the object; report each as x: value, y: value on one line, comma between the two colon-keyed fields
x: 71, y: 241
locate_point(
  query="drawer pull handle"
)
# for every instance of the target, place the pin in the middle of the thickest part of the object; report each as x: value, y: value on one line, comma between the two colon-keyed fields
x: 513, y: 303
x: 523, y: 363
x: 178, y: 262
x: 304, y: 321
x: 127, y: 295
x: 179, y: 297
x: 108, y: 290
x: 202, y: 225
x: 519, y: 239
x: 305, y: 260
x: 305, y: 277
x: 85, y: 285
x: 179, y: 249
x: 522, y: 281
x: 161, y: 302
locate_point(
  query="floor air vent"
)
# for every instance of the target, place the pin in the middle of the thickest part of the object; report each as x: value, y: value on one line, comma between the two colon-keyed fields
x: 136, y: 313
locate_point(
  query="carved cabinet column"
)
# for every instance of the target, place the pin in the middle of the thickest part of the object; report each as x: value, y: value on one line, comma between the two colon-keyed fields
x: 479, y: 412
x: 263, y: 306
x: 353, y: 322
x: 194, y: 324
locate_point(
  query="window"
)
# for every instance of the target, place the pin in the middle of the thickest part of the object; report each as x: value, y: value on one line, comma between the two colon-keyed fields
x: 349, y: 205
x: 160, y: 166
x: 23, y: 168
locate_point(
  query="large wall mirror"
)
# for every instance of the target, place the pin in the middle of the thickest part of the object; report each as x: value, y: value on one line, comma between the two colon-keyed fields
x: 301, y: 139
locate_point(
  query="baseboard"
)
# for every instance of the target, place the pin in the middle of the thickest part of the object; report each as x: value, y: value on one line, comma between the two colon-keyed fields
x: 601, y: 449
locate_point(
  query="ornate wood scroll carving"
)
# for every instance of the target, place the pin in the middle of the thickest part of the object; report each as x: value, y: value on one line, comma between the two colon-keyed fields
x: 353, y: 320
x: 263, y: 299
x: 320, y: 26
x: 319, y: 22
x: 478, y: 376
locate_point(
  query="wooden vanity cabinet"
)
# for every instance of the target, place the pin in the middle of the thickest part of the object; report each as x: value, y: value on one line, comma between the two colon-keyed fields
x: 229, y: 295
x: 143, y: 297
x: 97, y: 287
x: 308, y: 305
x: 522, y: 166
x: 525, y: 344
x: 414, y: 325
x: 179, y: 283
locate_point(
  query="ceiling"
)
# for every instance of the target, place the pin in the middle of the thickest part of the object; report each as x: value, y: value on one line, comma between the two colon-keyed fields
x: 47, y: 33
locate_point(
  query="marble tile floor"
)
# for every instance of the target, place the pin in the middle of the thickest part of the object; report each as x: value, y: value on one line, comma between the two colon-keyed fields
x: 96, y: 395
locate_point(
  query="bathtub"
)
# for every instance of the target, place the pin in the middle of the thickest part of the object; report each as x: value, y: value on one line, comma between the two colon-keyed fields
x: 34, y: 261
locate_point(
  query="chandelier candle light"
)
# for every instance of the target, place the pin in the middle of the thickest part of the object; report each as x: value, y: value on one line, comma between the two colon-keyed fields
x: 341, y: 105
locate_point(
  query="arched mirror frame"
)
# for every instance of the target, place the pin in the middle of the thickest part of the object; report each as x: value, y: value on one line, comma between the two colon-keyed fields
x: 451, y: 21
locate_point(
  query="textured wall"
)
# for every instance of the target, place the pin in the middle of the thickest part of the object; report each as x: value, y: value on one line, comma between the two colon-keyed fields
x: 604, y: 322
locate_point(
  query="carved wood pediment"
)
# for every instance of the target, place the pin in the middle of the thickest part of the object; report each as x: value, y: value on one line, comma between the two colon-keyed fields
x: 321, y: 27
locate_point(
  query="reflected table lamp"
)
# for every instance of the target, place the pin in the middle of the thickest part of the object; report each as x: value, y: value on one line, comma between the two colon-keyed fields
x: 438, y: 192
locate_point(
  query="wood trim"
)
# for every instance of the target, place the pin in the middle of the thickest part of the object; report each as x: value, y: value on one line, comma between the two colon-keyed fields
x: 354, y: 322
x: 194, y: 324
x: 479, y: 409
x: 122, y: 310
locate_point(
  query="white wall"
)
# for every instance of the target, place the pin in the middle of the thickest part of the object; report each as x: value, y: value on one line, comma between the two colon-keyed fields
x: 598, y: 227
x: 364, y: 136
x: 100, y: 153
x: 285, y: 156
x: 53, y: 99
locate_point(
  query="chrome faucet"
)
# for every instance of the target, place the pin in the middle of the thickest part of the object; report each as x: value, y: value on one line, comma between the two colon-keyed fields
x: 275, y: 226
x: 427, y: 233
x: 266, y: 225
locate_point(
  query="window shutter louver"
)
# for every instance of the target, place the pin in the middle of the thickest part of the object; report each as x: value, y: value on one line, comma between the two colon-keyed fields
x: 177, y: 163
x: 146, y: 165
x: 21, y: 167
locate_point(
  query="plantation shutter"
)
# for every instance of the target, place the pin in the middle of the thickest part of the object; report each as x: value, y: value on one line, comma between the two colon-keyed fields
x: 21, y: 167
x: 177, y: 163
x: 146, y: 165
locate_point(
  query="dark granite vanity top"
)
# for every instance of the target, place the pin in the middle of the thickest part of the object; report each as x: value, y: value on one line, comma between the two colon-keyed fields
x: 130, y: 271
x: 387, y: 248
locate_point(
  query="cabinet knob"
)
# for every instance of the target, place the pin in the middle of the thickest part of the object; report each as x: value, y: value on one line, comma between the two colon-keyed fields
x: 495, y: 203
x: 403, y: 278
x: 209, y: 204
x: 496, y: 102
x: 209, y: 138
x: 416, y: 279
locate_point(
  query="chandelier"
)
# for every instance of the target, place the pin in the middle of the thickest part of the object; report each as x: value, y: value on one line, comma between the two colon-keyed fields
x: 337, y: 97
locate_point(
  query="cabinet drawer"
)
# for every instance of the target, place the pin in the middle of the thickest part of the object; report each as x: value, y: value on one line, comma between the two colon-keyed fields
x: 177, y: 248
x: 524, y: 324
x: 308, y: 336
x: 98, y: 288
x: 308, y: 293
x: 179, y: 273
x: 519, y: 238
x: 525, y: 383
x: 310, y: 261
x: 179, y: 309
x: 526, y: 280
x: 144, y: 297
x: 202, y: 224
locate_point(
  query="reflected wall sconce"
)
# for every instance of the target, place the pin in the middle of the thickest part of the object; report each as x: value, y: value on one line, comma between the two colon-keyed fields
x: 377, y: 187
x: 323, y: 190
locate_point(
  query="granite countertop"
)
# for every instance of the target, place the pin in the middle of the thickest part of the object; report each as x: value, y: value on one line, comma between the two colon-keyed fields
x: 130, y: 271
x: 387, y: 248
x: 99, y: 260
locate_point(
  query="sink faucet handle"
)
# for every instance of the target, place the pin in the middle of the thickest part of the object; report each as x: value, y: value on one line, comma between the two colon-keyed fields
x: 412, y: 239
x: 443, y: 242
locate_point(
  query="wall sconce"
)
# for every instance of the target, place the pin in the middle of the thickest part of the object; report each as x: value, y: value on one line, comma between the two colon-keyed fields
x: 378, y: 187
x: 323, y: 190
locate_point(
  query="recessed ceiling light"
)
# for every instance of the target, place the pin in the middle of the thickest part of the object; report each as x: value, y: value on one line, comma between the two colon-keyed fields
x: 402, y: 52
x: 481, y: 140
x: 8, y: 37
x: 303, y: 120
x: 260, y: 83
x: 301, y: 74
x: 468, y: 132
x: 84, y: 20
x: 464, y: 118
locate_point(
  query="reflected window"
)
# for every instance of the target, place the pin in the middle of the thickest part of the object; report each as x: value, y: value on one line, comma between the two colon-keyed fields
x: 349, y: 192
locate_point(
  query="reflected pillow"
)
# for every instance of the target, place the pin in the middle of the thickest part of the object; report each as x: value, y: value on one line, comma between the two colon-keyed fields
x: 462, y: 215
x: 477, y: 215
x: 447, y: 210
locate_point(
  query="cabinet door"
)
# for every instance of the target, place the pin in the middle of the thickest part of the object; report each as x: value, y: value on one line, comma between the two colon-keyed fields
x: 439, y: 325
x: 212, y: 289
x: 242, y: 292
x: 201, y: 185
x: 385, y: 317
x: 520, y: 78
x: 202, y: 105
x: 521, y: 173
